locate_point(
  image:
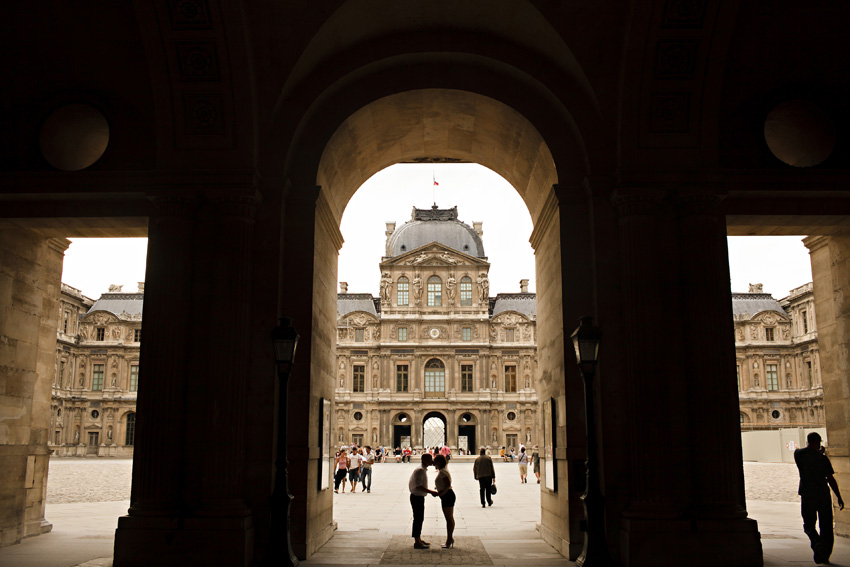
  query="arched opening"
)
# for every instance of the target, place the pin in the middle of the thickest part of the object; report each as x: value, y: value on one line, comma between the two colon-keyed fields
x: 466, y: 430
x: 435, y: 379
x: 434, y: 431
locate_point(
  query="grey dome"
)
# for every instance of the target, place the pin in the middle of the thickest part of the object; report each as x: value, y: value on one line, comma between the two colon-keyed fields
x: 435, y: 225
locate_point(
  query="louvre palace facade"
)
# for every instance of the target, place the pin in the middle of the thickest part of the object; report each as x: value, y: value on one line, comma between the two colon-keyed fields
x: 777, y: 359
x: 96, y: 380
x: 233, y: 135
x: 435, y: 359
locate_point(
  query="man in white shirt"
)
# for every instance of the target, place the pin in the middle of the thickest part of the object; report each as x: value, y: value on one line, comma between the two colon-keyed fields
x: 366, y: 463
x: 354, y: 469
x: 418, y: 485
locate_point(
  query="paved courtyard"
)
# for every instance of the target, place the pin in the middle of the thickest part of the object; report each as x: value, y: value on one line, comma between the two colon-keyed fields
x: 85, y: 497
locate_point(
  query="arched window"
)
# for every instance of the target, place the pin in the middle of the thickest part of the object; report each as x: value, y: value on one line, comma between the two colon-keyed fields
x: 130, y: 436
x: 435, y: 379
x: 402, y: 286
x: 466, y: 290
x: 435, y: 291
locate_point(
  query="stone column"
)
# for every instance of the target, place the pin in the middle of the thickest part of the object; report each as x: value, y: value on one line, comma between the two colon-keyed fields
x: 226, y: 357
x: 644, y: 237
x: 830, y: 258
x: 30, y: 271
x: 718, y: 477
x: 159, y: 452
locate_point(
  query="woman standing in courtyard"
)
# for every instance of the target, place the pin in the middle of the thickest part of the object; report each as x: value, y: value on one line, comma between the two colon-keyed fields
x: 443, y: 484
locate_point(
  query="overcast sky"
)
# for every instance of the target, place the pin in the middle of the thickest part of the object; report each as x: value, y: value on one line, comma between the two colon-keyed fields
x: 781, y: 263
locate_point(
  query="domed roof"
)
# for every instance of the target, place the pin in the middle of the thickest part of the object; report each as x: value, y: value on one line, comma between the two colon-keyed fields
x: 435, y: 225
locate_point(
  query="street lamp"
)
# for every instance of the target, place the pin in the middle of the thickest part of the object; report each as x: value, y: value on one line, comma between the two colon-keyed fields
x: 586, y: 340
x: 285, y: 340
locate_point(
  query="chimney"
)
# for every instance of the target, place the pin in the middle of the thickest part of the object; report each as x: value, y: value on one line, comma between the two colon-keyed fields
x: 141, y: 287
x: 479, y: 227
x: 523, y: 286
x: 343, y: 287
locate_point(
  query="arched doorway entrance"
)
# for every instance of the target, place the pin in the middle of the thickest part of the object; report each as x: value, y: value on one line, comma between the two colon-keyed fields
x: 401, y: 430
x: 434, y: 430
x: 466, y: 432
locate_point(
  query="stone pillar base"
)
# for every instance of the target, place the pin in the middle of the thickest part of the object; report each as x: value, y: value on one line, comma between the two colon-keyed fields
x: 183, y: 542
x: 731, y: 543
x: 569, y: 550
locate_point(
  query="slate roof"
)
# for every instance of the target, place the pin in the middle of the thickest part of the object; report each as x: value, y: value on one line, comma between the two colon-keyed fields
x: 525, y: 303
x: 435, y: 225
x: 746, y: 305
x: 118, y: 303
x: 350, y: 302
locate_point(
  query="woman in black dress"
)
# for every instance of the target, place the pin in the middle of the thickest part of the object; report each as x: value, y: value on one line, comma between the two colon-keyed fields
x: 443, y: 484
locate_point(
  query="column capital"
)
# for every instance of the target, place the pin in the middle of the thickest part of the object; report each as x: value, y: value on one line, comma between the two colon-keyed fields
x: 638, y: 202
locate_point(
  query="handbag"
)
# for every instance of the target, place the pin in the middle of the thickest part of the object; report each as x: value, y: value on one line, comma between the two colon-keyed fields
x: 492, y: 489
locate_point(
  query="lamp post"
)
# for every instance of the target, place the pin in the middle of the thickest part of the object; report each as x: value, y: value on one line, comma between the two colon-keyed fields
x: 285, y: 339
x: 586, y: 340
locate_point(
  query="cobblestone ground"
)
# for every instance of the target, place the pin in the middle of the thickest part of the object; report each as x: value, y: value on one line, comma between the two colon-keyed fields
x: 771, y: 482
x: 108, y: 480
x: 71, y: 480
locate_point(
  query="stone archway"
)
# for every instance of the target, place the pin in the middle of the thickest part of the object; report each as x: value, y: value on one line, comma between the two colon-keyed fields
x: 434, y: 430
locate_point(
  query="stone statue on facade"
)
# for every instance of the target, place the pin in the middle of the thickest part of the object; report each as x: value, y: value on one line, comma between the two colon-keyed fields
x: 417, y: 289
x: 386, y: 286
x: 451, y: 283
x: 447, y: 258
x: 483, y: 288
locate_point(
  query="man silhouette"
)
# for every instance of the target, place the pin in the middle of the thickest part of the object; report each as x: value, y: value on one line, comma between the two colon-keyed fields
x: 816, y: 478
x: 418, y: 485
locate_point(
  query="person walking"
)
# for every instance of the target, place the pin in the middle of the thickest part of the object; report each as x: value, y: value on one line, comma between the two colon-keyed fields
x: 485, y: 474
x: 446, y: 452
x: 366, y: 468
x: 354, y: 468
x: 341, y: 464
x: 443, y: 484
x: 535, y: 462
x: 523, y: 466
x: 816, y: 478
x: 418, y: 486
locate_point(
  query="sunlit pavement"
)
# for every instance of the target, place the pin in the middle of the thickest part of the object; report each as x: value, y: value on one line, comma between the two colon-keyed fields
x: 375, y: 526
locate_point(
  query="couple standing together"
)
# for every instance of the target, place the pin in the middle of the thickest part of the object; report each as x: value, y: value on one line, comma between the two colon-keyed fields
x: 418, y: 485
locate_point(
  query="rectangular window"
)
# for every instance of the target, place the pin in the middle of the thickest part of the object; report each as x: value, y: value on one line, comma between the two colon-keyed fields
x: 466, y: 378
x: 466, y: 291
x: 772, y: 377
x: 97, y: 377
x: 768, y: 333
x: 61, y: 373
x: 100, y: 334
x: 402, y: 287
x: 805, y: 323
x: 357, y: 439
x: 809, y: 370
x: 358, y: 335
x: 402, y: 334
x: 510, y: 378
x: 738, y: 376
x: 435, y: 292
x: 65, y: 319
x: 134, y: 378
x: 401, y: 377
x: 57, y: 437
x: 359, y: 378
x: 467, y: 333
x: 137, y: 335
x: 509, y: 335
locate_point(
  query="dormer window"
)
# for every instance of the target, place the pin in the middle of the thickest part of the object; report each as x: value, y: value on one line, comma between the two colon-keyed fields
x: 768, y: 333
x: 358, y: 335
x: 466, y: 247
x: 403, y: 248
x: 100, y: 334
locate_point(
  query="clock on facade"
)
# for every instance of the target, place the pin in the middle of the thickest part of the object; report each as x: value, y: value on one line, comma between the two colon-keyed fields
x: 435, y: 333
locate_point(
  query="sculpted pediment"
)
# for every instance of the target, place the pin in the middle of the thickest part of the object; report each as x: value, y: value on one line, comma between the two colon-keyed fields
x: 359, y: 319
x: 434, y: 254
x: 770, y: 318
x: 100, y: 318
x: 510, y: 318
